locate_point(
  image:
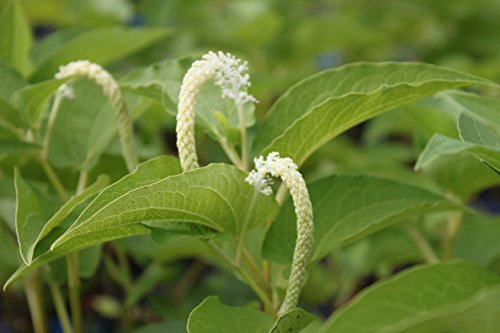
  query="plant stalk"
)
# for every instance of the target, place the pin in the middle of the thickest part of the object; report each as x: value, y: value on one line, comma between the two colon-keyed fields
x: 32, y: 287
x: 54, y: 180
x: 62, y: 312
x: 453, y: 225
x: 246, y: 221
x: 50, y: 124
x: 248, y: 279
x: 231, y: 153
x: 244, y: 139
x: 74, y: 291
x: 422, y: 244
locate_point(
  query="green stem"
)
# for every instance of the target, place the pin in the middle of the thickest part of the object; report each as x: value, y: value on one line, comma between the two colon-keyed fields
x: 422, y: 244
x: 32, y: 287
x: 244, y: 139
x: 126, y: 319
x: 82, y: 181
x: 231, y: 153
x: 248, y: 279
x: 62, y: 312
x: 50, y: 124
x: 453, y: 225
x: 246, y: 221
x: 74, y: 291
x: 54, y: 180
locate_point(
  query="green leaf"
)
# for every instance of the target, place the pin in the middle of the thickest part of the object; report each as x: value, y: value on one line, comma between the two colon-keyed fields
x: 15, y: 37
x: 31, y: 101
x: 11, y: 81
x: 324, y: 105
x: 32, y: 211
x: 9, y: 117
x: 159, y: 79
x: 447, y: 169
x: 479, y: 132
x: 478, y: 107
x: 411, y: 297
x: 347, y: 208
x: 440, y: 145
x: 146, y: 173
x: 102, y: 46
x: 215, y: 196
x: 8, y: 146
x: 168, y: 326
x: 83, y: 128
x: 71, y: 204
x: 477, y: 239
x: 480, y: 313
x: 211, y: 316
x: 292, y: 322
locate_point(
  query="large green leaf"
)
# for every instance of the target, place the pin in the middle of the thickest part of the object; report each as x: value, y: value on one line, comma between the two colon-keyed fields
x: 32, y: 211
x: 146, y: 173
x: 324, y: 105
x: 347, y: 208
x: 83, y: 128
x: 71, y: 204
x: 103, y: 45
x: 215, y: 196
x: 211, y: 316
x: 479, y: 313
x: 412, y: 297
x: 31, y: 100
x: 15, y: 37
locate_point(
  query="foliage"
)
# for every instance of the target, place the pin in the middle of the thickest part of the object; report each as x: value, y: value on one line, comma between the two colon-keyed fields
x: 396, y: 155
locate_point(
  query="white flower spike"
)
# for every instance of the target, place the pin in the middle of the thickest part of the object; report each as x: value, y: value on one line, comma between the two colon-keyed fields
x: 286, y: 169
x: 94, y: 72
x: 230, y: 74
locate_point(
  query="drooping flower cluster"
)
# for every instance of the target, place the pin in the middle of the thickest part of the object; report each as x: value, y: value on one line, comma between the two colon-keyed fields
x: 230, y: 74
x: 286, y: 169
x: 94, y: 72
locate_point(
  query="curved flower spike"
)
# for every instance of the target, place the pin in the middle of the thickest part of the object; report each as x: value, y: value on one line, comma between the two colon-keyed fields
x: 229, y: 73
x: 94, y: 72
x: 284, y: 168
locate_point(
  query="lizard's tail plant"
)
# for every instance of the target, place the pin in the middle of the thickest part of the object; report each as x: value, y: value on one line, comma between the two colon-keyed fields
x: 229, y: 73
x: 286, y: 169
x: 94, y: 72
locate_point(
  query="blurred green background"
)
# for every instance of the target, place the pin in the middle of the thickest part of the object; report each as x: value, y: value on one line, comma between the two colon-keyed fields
x: 283, y: 41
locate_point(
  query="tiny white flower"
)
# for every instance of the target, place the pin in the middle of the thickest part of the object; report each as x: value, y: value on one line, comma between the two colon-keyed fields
x: 67, y: 91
